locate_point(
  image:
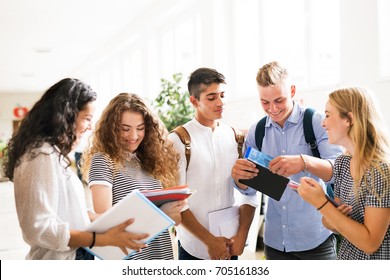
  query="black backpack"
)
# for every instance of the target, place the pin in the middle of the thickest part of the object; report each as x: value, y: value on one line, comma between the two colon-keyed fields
x: 310, y: 138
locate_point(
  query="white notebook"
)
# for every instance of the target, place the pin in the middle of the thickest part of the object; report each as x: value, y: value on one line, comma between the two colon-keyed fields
x: 225, y: 222
x: 147, y: 219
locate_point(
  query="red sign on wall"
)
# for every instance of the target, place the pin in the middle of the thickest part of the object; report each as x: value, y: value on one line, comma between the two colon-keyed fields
x: 20, y: 111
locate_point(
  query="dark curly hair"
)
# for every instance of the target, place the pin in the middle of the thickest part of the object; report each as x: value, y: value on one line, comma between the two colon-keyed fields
x: 156, y: 153
x: 52, y: 119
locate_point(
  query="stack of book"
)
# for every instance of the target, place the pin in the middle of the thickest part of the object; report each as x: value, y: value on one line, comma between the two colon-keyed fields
x: 159, y: 197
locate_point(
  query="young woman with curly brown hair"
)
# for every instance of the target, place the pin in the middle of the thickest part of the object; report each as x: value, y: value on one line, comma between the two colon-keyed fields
x: 130, y: 151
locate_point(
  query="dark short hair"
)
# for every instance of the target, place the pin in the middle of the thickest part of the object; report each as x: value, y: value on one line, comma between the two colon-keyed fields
x: 202, y: 77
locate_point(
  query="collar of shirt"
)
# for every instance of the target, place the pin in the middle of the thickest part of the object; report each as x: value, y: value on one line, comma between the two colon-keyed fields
x: 294, y: 117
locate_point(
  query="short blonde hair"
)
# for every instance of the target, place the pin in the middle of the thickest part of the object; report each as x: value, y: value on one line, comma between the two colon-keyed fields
x: 271, y: 74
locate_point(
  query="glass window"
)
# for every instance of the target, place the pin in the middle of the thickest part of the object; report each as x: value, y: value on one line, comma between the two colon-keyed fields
x: 132, y: 77
x: 304, y: 36
x: 384, y: 38
x: 180, y: 47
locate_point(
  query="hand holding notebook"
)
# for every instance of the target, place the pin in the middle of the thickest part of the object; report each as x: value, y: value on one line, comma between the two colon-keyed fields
x: 147, y: 219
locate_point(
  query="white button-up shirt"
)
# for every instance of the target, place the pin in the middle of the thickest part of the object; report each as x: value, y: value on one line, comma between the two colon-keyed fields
x: 213, y: 154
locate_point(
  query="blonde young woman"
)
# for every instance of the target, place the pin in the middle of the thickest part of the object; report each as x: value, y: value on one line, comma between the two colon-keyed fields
x: 130, y: 151
x: 361, y: 176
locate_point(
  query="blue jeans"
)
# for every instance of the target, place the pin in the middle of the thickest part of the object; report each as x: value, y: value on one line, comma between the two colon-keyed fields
x: 325, y: 251
x: 84, y: 255
x: 184, y: 255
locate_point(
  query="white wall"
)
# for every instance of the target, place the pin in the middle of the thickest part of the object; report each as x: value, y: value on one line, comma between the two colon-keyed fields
x: 8, y: 103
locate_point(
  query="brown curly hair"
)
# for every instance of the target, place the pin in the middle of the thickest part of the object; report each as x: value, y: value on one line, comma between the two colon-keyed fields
x: 156, y: 153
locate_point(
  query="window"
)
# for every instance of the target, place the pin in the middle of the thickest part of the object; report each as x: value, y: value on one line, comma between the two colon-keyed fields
x: 133, y: 75
x: 304, y: 36
x: 384, y: 38
x: 235, y: 37
x: 180, y: 47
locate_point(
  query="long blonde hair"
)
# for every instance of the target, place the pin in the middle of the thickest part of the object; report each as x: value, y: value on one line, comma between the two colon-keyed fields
x: 156, y: 153
x: 367, y: 132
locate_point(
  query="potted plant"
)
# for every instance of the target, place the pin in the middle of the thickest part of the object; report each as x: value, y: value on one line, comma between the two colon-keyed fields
x: 173, y: 103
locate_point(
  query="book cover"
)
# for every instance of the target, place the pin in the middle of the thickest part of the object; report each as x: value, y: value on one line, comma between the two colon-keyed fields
x: 147, y: 219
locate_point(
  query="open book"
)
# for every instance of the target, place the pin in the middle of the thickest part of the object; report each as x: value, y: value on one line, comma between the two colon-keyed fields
x: 159, y: 197
x: 147, y: 219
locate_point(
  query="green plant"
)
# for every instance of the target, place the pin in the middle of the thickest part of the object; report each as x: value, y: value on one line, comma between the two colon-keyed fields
x: 173, y: 103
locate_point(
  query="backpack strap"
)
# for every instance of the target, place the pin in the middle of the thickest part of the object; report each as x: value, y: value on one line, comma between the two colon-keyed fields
x: 240, y: 139
x: 259, y: 136
x: 308, y: 131
x: 260, y: 132
x: 185, y: 139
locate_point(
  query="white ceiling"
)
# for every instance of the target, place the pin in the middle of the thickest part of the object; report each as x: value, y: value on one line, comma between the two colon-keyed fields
x: 42, y: 41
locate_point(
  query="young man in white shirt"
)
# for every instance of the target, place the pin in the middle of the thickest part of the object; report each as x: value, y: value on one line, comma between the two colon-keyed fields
x: 213, y: 154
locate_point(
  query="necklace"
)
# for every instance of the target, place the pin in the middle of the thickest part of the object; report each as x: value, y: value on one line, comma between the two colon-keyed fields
x: 132, y: 165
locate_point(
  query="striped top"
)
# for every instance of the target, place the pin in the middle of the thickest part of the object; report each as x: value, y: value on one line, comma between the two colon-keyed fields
x: 368, y: 197
x: 122, y: 182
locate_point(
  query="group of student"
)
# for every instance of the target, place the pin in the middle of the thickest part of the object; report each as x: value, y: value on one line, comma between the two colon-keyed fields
x: 132, y: 150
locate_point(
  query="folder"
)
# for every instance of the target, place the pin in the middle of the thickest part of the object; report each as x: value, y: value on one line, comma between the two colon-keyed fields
x: 268, y: 183
x: 147, y: 219
x: 225, y: 222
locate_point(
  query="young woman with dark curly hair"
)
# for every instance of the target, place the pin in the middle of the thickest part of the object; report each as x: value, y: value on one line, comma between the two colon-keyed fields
x: 49, y: 196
